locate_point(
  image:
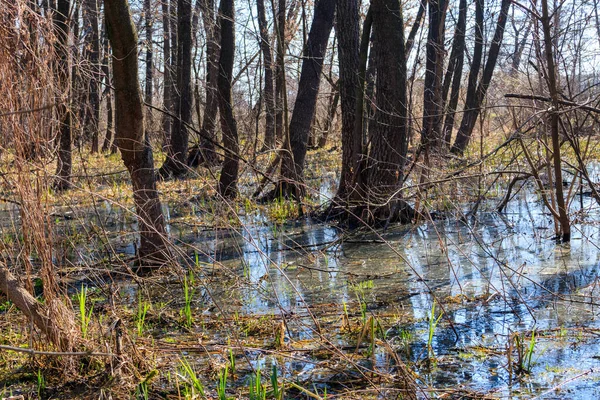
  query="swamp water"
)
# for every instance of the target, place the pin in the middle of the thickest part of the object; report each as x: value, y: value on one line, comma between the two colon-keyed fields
x: 518, y: 311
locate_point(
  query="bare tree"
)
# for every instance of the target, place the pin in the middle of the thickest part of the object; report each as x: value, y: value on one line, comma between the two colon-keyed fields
x: 292, y: 166
x: 175, y: 164
x: 204, y: 153
x: 130, y: 134
x: 148, y: 81
x: 64, y: 162
x: 476, y: 96
x: 229, y: 171
x: 268, y: 93
x: 431, y: 134
x: 454, y: 73
x: 347, y: 30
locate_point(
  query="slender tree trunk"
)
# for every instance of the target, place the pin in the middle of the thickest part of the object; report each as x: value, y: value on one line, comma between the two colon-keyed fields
x: 347, y: 30
x: 474, y: 102
x: 229, y: 171
x: 91, y: 104
x: 565, y: 227
x: 64, y: 162
x: 148, y: 88
x: 268, y: 93
x: 431, y: 134
x: 331, y: 113
x: 415, y: 28
x: 454, y: 72
x: 168, y: 72
x: 292, y: 167
x: 130, y: 133
x: 206, y: 153
x: 176, y: 163
x: 280, y: 69
x: 108, y: 143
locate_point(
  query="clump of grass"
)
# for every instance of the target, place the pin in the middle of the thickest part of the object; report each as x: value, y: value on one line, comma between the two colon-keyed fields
x: 140, y: 320
x: 222, y: 384
x: 257, y: 390
x: 525, y: 352
x: 276, y: 393
x: 433, y: 322
x: 41, y: 383
x: 188, y: 295
x: 85, y: 315
x: 142, y: 390
x: 194, y: 386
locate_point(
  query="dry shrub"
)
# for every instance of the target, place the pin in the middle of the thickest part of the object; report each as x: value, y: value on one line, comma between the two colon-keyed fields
x: 29, y: 95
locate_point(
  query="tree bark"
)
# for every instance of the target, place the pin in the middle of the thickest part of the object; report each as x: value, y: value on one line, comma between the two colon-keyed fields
x: 148, y: 87
x: 91, y: 55
x: 280, y: 69
x: 431, y: 134
x: 389, y: 132
x: 64, y: 162
x: 292, y: 166
x: 475, y: 100
x: 168, y: 73
x: 229, y: 171
x: 108, y: 143
x: 175, y: 164
x: 131, y: 136
x: 347, y: 29
x: 268, y: 93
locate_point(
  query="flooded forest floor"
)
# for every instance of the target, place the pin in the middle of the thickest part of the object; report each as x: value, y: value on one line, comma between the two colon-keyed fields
x: 266, y: 303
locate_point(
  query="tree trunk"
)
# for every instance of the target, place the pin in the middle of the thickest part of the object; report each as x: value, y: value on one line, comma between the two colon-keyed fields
x: 131, y: 136
x: 389, y: 135
x: 206, y: 154
x: 229, y: 171
x: 347, y: 30
x: 431, y: 134
x: 168, y: 73
x: 91, y: 79
x: 454, y: 72
x: 474, y: 102
x: 268, y: 93
x: 64, y: 162
x: 280, y: 69
x: 108, y: 143
x: 148, y: 90
x: 292, y: 166
x: 415, y: 28
x: 565, y: 227
x: 175, y: 164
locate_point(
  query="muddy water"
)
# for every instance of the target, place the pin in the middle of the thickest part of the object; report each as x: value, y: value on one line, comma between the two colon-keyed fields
x: 493, y: 277
x: 496, y: 277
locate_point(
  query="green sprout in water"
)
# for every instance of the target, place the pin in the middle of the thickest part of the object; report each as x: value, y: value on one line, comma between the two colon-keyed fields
x: 222, y: 384
x: 140, y: 320
x: 188, y: 294
x: 192, y: 379
x: 257, y: 390
x: 525, y: 352
x: 277, y: 393
x: 41, y: 383
x: 85, y: 316
x: 433, y: 322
